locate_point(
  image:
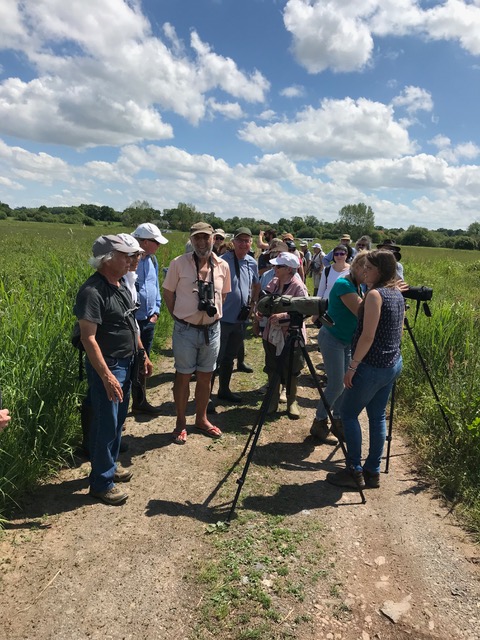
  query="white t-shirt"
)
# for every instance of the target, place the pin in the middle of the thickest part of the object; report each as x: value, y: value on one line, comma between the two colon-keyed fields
x: 327, y: 282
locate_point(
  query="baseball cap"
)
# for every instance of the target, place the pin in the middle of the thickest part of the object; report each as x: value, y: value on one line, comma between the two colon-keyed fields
x: 317, y: 245
x: 220, y: 232
x: 149, y: 231
x: 124, y: 243
x: 201, y: 227
x: 242, y: 231
x: 286, y: 259
x: 287, y: 236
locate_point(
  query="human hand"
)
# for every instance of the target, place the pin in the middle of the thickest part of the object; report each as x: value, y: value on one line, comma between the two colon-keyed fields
x: 113, y: 388
x: 147, y: 367
x: 5, y: 418
x: 348, y: 378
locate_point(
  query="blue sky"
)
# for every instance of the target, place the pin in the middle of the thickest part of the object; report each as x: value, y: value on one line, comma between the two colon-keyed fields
x: 263, y: 108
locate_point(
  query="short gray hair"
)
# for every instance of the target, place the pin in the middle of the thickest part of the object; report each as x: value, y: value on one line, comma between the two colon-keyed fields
x: 97, y: 261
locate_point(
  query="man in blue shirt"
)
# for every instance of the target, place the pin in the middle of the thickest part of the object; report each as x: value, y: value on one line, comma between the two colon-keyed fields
x: 149, y: 238
x: 245, y: 287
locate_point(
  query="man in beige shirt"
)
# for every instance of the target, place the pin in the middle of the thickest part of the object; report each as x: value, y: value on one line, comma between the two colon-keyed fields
x: 194, y: 290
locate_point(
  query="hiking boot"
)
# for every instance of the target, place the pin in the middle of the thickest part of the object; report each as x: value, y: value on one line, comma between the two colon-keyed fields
x: 244, y: 368
x: 320, y: 431
x: 229, y: 396
x: 121, y: 474
x: 293, y: 409
x: 211, y: 407
x: 113, y: 496
x: 337, y: 429
x: 372, y: 480
x: 348, y: 477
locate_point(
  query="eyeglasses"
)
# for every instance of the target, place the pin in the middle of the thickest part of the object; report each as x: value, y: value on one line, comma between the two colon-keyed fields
x: 243, y: 240
x: 361, y: 246
x: 339, y: 253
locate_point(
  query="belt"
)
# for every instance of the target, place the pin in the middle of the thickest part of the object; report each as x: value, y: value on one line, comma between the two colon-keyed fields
x: 199, y: 327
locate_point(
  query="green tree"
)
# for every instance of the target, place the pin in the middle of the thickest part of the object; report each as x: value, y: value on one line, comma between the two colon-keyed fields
x: 138, y: 212
x: 418, y: 237
x: 474, y: 229
x: 356, y: 219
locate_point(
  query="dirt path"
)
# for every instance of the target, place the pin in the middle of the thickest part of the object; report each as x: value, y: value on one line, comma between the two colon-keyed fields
x: 72, y: 568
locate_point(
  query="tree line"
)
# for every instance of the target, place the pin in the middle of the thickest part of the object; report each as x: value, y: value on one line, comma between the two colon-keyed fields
x: 356, y: 219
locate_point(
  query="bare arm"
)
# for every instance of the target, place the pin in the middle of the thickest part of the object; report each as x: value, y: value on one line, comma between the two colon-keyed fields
x: 113, y: 388
x: 169, y: 300
x: 352, y: 301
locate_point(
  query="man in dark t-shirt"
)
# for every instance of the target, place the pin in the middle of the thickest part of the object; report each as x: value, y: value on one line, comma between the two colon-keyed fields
x: 109, y: 335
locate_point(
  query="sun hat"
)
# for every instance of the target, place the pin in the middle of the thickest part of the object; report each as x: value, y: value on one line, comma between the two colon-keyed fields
x: 388, y: 244
x: 242, y: 231
x: 106, y: 244
x: 149, y: 231
x: 287, y: 236
x: 201, y: 227
x: 286, y: 259
x: 346, y: 237
x: 277, y: 244
x: 317, y: 245
x: 303, y: 243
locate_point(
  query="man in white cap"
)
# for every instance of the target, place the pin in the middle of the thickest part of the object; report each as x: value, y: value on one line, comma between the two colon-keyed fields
x: 109, y: 335
x: 149, y: 238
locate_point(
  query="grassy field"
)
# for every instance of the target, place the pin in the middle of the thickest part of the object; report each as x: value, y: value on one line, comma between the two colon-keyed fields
x: 42, y: 268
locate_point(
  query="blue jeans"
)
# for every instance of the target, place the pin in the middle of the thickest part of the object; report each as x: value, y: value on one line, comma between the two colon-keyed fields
x: 107, y: 422
x: 147, y: 330
x: 370, y: 391
x: 336, y: 358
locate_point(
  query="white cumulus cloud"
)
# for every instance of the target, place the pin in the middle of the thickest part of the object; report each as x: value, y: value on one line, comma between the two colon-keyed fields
x: 339, y: 129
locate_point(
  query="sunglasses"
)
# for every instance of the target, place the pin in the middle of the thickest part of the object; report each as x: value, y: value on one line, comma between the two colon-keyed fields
x: 361, y: 246
x: 339, y: 253
x: 280, y: 266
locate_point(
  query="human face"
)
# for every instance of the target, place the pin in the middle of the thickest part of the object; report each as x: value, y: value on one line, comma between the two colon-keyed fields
x: 358, y: 272
x: 118, y: 265
x: 202, y: 244
x: 283, y: 273
x: 339, y: 257
x: 242, y: 244
x: 149, y: 245
x: 134, y: 261
x: 372, y: 274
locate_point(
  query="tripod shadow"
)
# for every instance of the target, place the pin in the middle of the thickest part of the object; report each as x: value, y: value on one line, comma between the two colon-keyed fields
x: 291, y: 499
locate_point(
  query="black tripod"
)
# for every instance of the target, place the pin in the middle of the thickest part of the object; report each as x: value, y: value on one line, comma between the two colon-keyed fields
x: 430, y: 381
x: 294, y: 340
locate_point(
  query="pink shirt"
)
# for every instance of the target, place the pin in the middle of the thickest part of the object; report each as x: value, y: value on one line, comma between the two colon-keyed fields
x: 182, y: 278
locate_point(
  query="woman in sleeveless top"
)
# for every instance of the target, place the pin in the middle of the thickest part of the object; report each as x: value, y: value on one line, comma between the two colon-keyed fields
x: 375, y: 365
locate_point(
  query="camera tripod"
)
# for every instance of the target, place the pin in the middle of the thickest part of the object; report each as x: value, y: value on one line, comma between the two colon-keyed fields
x: 430, y: 381
x: 294, y: 340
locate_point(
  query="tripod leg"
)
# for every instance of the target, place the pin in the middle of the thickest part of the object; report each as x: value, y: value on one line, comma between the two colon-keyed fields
x: 427, y: 374
x: 390, y: 426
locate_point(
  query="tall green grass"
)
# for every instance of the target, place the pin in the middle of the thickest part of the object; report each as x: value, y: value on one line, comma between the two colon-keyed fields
x: 42, y: 269
x: 449, y: 344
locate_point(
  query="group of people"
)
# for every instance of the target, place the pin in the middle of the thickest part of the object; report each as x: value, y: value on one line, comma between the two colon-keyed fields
x: 211, y: 299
